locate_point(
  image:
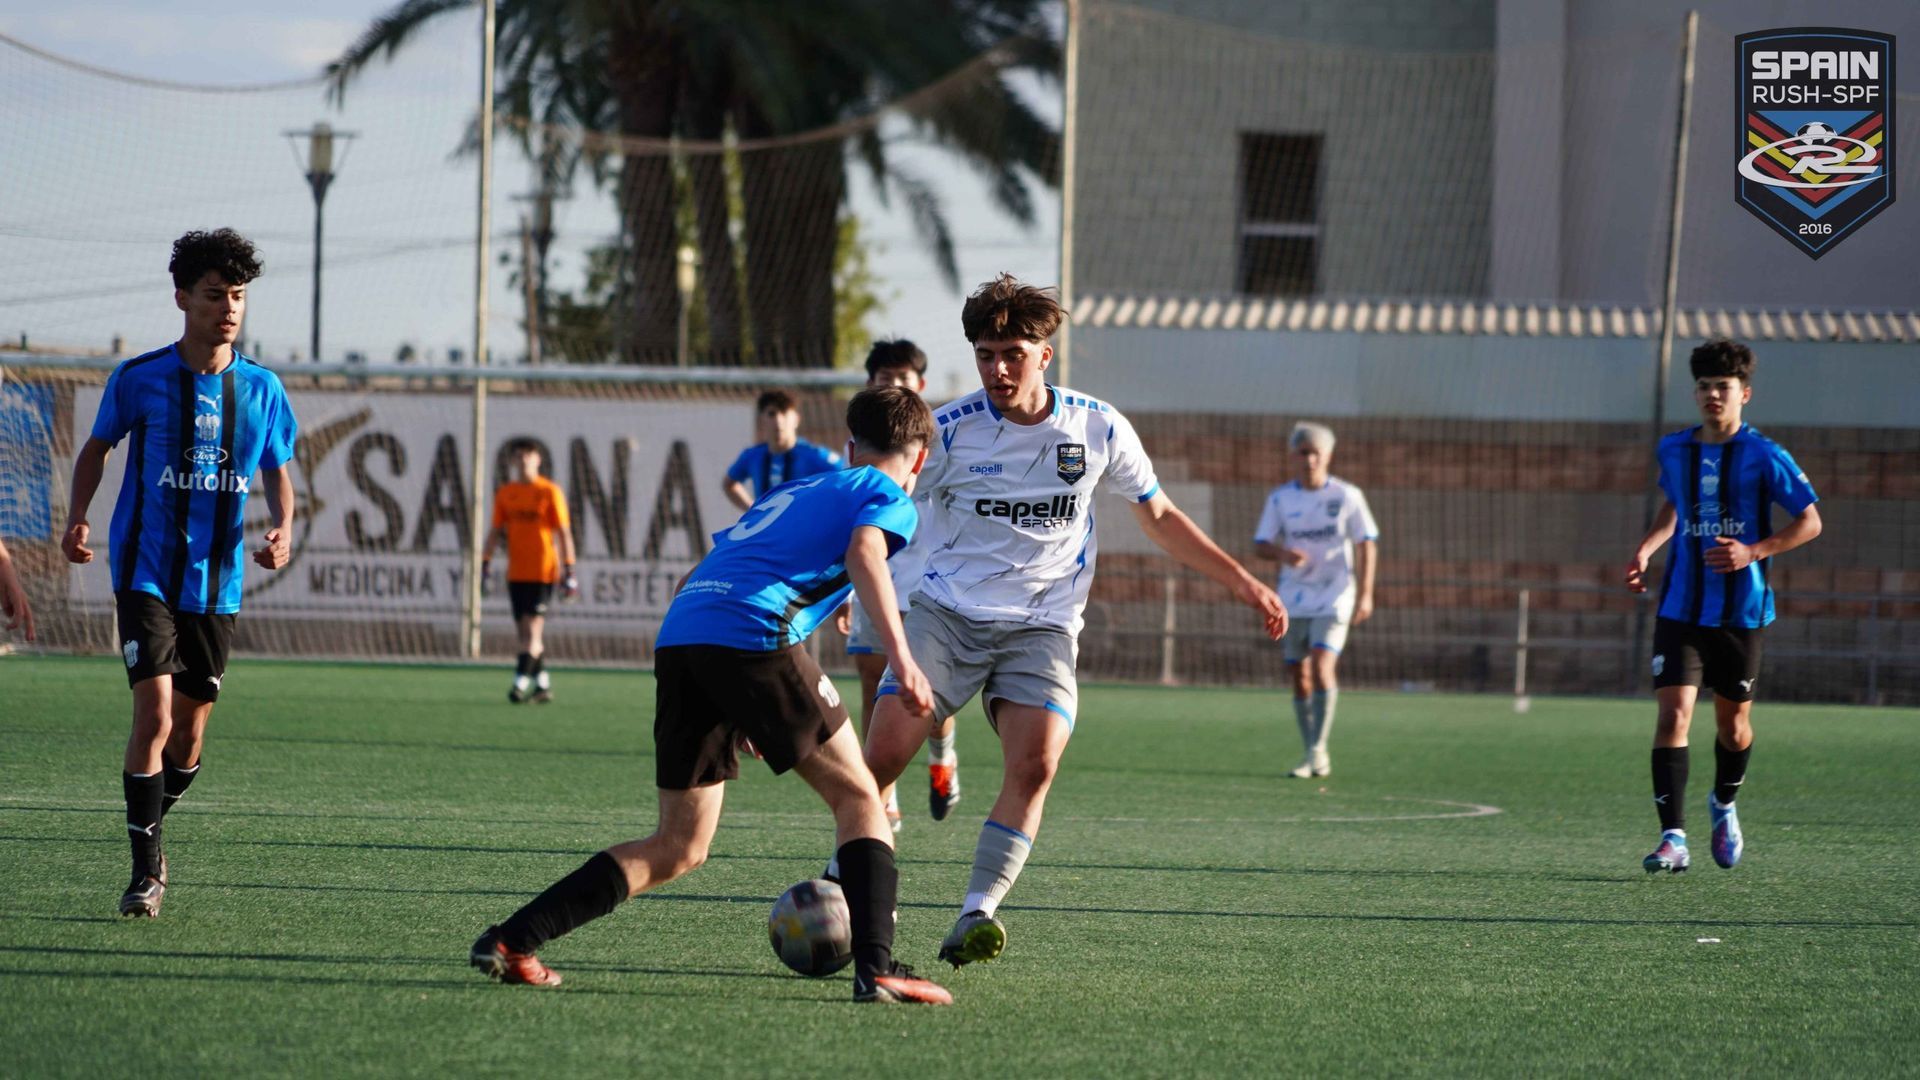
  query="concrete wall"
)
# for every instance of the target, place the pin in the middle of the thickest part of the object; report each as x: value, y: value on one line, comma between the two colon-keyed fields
x: 1408, y: 139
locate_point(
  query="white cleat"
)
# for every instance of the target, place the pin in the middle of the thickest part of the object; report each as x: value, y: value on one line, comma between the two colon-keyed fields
x: 1322, y: 764
x: 1302, y: 771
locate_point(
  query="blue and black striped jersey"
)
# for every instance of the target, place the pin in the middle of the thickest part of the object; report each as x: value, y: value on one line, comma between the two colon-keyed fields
x: 1726, y: 489
x: 194, y: 442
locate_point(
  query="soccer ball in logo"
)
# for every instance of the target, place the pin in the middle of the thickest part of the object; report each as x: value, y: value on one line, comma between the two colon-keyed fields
x: 810, y: 929
x: 1815, y: 134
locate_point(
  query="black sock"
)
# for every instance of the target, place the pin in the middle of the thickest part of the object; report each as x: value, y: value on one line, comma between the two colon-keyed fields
x: 1729, y: 770
x: 539, y: 665
x: 174, y: 783
x: 523, y: 664
x: 872, y: 885
x: 595, y: 889
x: 1670, y: 786
x: 143, y: 820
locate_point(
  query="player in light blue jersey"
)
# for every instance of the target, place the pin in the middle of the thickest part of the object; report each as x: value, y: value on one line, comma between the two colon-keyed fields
x: 199, y: 418
x: 781, y: 456
x: 730, y: 671
x: 1721, y: 481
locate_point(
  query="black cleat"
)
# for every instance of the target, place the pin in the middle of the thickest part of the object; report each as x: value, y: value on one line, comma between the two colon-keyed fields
x: 542, y: 695
x: 142, y: 898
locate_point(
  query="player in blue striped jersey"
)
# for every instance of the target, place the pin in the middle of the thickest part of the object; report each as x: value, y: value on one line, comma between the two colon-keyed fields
x: 781, y: 455
x: 1721, y: 481
x: 198, y: 418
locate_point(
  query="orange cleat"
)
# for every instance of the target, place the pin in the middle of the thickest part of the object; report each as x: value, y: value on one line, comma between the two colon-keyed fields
x: 496, y: 961
x: 899, y: 986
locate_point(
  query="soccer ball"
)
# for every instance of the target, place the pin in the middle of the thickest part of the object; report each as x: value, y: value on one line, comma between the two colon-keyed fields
x: 1815, y: 134
x: 810, y: 929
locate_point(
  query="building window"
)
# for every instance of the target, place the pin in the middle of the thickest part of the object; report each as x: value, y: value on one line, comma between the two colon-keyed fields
x: 1279, y: 214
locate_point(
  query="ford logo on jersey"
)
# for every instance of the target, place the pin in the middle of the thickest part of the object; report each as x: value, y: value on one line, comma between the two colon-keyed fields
x: 206, y: 455
x: 1071, y: 461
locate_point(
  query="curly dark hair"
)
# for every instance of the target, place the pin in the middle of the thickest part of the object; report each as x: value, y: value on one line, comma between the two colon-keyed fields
x: 1005, y: 308
x: 222, y: 251
x: 1718, y: 359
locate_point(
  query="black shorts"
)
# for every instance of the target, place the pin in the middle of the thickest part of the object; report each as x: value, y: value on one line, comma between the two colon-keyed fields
x: 159, y: 640
x: 1724, y: 659
x: 529, y: 597
x: 708, y: 694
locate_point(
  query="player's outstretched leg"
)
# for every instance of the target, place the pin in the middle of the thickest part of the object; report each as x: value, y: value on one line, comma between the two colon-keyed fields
x: 943, y: 771
x: 687, y: 822
x: 145, y: 790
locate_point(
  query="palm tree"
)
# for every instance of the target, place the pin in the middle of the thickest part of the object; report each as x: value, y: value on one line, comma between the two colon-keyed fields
x: 798, y: 88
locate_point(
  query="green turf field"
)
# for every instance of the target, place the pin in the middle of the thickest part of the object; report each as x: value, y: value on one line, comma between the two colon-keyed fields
x: 1187, y: 911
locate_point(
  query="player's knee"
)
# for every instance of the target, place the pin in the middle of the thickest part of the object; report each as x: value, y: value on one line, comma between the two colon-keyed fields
x: 1033, y: 774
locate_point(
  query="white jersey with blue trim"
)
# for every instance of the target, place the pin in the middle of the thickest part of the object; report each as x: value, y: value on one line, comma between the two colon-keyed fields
x: 1322, y: 523
x: 1006, y: 509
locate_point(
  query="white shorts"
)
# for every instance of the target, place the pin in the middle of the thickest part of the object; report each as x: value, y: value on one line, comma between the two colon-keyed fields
x: 1327, y: 632
x: 861, y: 638
x: 1025, y: 665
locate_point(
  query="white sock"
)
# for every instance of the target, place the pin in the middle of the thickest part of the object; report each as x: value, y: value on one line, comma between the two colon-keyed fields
x: 1323, y: 705
x: 940, y: 749
x: 1303, y: 715
x: 893, y: 800
x: 997, y: 860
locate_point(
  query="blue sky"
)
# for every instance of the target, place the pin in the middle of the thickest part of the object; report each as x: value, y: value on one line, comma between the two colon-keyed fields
x: 394, y: 269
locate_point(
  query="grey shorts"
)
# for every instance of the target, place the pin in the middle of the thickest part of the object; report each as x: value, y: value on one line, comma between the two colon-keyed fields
x: 1024, y: 665
x: 1327, y: 632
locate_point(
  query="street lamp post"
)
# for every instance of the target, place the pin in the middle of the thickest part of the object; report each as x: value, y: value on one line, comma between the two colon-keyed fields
x: 687, y: 276
x: 320, y: 173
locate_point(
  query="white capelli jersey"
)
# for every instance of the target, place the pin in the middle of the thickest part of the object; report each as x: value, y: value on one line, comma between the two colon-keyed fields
x: 1007, y: 516
x: 1323, y: 524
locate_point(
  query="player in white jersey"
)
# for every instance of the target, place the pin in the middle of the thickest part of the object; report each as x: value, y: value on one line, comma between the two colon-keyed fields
x: 1319, y: 527
x: 900, y: 362
x: 1008, y: 521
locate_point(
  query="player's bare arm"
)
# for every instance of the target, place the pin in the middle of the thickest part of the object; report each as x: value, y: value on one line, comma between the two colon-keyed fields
x: 1729, y: 555
x: 1659, y: 534
x: 1366, y: 557
x: 88, y: 465
x: 1176, y: 534
x: 276, y: 548
x: 737, y: 494
x: 867, y: 567
x: 13, y: 598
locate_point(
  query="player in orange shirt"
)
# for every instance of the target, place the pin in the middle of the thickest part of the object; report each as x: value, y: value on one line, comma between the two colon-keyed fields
x: 529, y: 515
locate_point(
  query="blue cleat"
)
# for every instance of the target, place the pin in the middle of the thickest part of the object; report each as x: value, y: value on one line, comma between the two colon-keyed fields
x: 1670, y: 856
x: 1727, y: 841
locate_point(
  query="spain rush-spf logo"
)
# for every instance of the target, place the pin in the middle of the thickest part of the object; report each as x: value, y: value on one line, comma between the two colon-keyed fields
x: 1814, y: 128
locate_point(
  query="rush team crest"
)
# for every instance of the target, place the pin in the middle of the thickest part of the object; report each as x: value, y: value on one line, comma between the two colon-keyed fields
x: 1814, y: 130
x: 1070, y: 461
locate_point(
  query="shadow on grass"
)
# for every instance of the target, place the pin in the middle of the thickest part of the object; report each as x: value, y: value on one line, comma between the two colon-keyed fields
x: 819, y: 859
x: 376, y: 965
